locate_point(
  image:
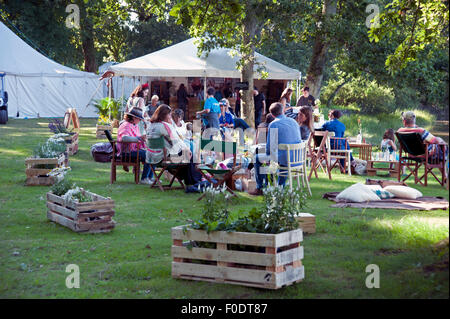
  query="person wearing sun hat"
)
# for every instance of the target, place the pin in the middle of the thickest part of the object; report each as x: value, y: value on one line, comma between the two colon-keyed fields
x: 129, y: 132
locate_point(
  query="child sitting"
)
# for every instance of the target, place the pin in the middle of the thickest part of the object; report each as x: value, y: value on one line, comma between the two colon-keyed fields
x: 387, y: 143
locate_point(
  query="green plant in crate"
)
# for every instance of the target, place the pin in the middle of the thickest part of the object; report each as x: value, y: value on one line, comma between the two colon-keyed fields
x: 69, y: 191
x: 108, y: 108
x: 61, y: 187
x: 103, y: 120
x: 277, y: 215
x: 50, y: 149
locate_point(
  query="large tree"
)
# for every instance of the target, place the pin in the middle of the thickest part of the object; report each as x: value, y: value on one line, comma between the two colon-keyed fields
x: 423, y: 23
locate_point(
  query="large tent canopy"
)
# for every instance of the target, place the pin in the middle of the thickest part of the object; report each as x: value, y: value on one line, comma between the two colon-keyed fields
x: 38, y: 86
x: 181, y: 60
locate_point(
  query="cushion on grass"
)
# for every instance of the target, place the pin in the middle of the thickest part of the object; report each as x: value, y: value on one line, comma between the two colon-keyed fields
x: 357, y: 193
x: 374, y: 188
x: 403, y: 191
x: 383, y: 194
x: 380, y: 192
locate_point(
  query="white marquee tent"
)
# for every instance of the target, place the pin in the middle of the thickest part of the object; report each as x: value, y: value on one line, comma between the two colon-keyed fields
x: 38, y: 86
x: 181, y: 60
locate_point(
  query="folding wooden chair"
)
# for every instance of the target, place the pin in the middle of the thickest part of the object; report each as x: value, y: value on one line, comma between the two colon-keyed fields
x: 222, y: 176
x: 414, y: 154
x: 339, y: 150
x: 296, y: 164
x: 318, y: 144
x: 159, y: 169
x: 124, y: 159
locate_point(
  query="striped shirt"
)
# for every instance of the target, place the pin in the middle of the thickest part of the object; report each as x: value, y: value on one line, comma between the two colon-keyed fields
x: 128, y: 129
x: 426, y: 136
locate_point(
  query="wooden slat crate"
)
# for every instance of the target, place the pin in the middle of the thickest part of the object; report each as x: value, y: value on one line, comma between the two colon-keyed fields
x: 100, y: 130
x: 266, y: 261
x: 307, y: 222
x: 86, y: 217
x: 38, y: 176
x: 72, y: 144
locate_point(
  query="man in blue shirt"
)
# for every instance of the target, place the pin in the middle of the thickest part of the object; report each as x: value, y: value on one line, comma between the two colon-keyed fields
x: 336, y: 126
x: 283, y: 130
x: 211, y: 112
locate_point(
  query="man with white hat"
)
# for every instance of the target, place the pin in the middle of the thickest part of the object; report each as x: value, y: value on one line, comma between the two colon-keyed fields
x: 409, y: 126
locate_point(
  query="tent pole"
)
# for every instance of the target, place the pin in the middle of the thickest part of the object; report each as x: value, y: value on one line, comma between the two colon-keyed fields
x: 109, y: 96
x: 123, y: 92
x: 204, y: 88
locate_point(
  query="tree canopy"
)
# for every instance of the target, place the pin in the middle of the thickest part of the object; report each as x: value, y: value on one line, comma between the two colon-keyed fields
x: 327, y: 40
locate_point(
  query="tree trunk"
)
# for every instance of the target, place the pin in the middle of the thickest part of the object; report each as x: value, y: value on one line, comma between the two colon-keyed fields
x: 247, y: 102
x: 319, y: 57
x: 331, y: 98
x: 87, y: 39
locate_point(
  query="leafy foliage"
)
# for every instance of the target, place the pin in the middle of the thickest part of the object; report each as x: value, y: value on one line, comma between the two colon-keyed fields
x: 277, y: 215
x: 70, y: 191
x: 108, y: 107
x: 363, y: 95
x: 423, y: 22
x: 61, y: 187
x: 56, y: 126
x: 50, y: 149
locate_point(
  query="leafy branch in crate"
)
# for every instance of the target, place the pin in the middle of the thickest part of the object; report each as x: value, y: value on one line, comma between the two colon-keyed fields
x: 277, y: 215
x: 69, y: 191
x: 56, y: 126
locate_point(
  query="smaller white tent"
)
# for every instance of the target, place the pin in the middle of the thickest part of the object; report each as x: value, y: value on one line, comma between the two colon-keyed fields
x: 181, y: 60
x: 38, y: 86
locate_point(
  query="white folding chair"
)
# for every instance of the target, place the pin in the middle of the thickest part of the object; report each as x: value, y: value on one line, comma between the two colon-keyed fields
x: 337, y: 154
x: 296, y: 164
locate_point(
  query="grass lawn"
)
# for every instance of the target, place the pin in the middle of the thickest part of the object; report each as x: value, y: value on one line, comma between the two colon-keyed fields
x: 133, y: 261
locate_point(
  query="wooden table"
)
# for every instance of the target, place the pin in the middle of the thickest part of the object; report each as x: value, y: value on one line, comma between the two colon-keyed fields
x: 365, y: 150
x: 393, y: 168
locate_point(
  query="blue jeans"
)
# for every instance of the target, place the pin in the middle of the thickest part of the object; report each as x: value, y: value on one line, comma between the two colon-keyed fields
x: 147, y: 172
x: 261, y: 179
x: 240, y: 123
x: 258, y: 114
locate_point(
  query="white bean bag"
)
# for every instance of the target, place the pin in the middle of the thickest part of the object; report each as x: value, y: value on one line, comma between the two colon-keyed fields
x: 357, y: 193
x: 403, y: 191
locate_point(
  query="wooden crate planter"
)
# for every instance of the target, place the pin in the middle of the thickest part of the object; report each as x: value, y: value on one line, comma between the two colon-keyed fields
x: 72, y: 144
x: 100, y: 132
x: 86, y: 217
x: 307, y: 222
x: 267, y: 261
x: 39, y: 176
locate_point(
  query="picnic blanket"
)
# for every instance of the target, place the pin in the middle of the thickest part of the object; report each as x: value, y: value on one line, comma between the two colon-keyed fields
x: 421, y: 203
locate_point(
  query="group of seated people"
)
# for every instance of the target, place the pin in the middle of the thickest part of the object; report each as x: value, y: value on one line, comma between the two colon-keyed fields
x: 141, y: 125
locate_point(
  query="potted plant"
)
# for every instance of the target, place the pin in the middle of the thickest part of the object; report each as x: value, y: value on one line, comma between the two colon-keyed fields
x: 103, y: 124
x: 46, y: 157
x: 60, y: 131
x: 79, y: 209
x: 260, y: 249
x: 108, y: 110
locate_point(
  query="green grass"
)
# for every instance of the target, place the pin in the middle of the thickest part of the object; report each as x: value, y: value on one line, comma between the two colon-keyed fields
x: 133, y: 261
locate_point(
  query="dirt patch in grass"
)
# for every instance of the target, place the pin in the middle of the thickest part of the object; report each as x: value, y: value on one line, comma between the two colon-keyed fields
x: 389, y: 251
x: 437, y: 266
